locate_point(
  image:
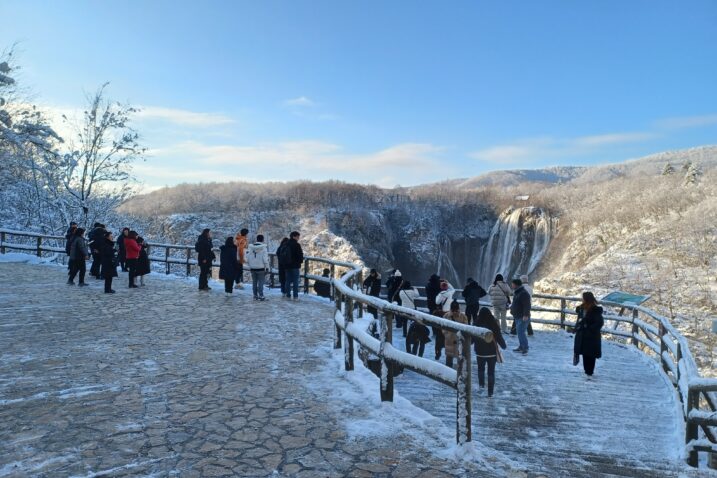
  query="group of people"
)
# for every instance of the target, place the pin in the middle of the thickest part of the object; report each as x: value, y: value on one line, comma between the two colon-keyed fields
x: 514, y: 298
x: 237, y: 253
x: 129, y: 252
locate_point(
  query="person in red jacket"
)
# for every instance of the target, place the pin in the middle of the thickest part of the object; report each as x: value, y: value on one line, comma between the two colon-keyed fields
x: 132, y: 250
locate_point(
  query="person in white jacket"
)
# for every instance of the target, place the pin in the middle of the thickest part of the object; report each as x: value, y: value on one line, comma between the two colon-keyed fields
x: 500, y: 293
x: 257, y: 259
x: 445, y: 296
x: 408, y: 296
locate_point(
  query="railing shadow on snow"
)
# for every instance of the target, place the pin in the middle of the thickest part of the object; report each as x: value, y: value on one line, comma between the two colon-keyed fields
x: 639, y: 326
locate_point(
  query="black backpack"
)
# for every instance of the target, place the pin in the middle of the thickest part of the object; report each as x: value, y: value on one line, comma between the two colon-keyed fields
x: 285, y: 255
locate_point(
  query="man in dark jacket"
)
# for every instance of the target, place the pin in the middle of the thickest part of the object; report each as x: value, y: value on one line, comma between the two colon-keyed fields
x: 520, y: 310
x: 69, y: 236
x: 122, y: 252
x: 433, y: 288
x: 292, y: 258
x: 205, y: 256
x: 472, y: 292
x: 372, y: 287
x: 96, y: 241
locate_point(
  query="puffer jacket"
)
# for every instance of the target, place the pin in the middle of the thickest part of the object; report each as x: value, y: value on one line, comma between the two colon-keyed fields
x: 408, y: 297
x: 78, y: 249
x: 257, y: 256
x: 500, y: 295
x: 445, y: 298
x: 241, y: 242
x: 451, y: 337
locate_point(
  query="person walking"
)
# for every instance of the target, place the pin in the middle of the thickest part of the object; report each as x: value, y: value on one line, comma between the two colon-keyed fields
x: 79, y: 253
x: 472, y: 293
x: 408, y: 296
x: 293, y: 258
x: 242, y: 242
x: 69, y: 237
x: 439, y: 340
x: 372, y: 287
x: 451, y: 338
x: 444, y: 299
x: 393, y: 286
x: 433, y: 288
x: 132, y: 250
x: 499, y: 294
x: 205, y: 256
x: 257, y: 259
x: 108, y: 265
x: 487, y: 353
x: 96, y: 240
x: 122, y: 253
x: 143, y: 265
x: 282, y: 268
x: 520, y: 310
x: 323, y: 289
x: 587, y: 333
x: 228, y: 264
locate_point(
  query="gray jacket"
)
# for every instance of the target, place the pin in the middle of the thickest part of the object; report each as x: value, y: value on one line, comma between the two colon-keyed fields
x: 78, y: 249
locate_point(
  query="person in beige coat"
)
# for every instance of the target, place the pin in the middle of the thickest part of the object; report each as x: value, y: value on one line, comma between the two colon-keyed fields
x: 500, y: 294
x: 451, y: 338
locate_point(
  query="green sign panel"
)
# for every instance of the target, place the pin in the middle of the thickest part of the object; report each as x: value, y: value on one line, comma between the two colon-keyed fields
x: 625, y: 298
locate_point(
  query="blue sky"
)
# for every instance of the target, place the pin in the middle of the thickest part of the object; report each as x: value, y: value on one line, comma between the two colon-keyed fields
x: 398, y: 92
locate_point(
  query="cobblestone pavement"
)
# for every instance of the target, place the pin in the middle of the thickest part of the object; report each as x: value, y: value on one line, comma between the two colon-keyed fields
x: 168, y: 381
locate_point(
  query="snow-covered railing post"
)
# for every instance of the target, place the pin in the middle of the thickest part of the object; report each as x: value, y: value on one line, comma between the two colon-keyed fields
x: 359, y: 284
x: 333, y: 275
x: 166, y: 259
x: 385, y: 335
x: 306, y: 276
x: 349, y: 341
x: 39, y: 246
x: 2, y: 242
x: 463, y: 390
x: 337, y: 329
x: 663, y: 348
x: 635, y: 328
x: 189, y: 265
x: 563, y: 305
x: 691, y: 427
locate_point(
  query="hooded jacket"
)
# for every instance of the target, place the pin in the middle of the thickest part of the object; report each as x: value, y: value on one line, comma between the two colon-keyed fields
x: 445, y: 298
x: 241, y: 242
x: 257, y: 256
x: 500, y: 295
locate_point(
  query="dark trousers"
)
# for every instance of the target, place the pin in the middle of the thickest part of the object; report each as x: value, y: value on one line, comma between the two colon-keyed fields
x: 482, y: 362
x: 122, y: 261
x: 108, y: 284
x: 414, y: 345
x: 513, y: 332
x: 439, y: 341
x: 78, y: 265
x: 95, y: 268
x: 240, y: 275
x: 402, y: 323
x: 282, y: 279
x: 292, y: 282
x: 589, y: 364
x: 204, y: 270
x: 472, y: 313
x: 132, y: 268
x: 229, y: 285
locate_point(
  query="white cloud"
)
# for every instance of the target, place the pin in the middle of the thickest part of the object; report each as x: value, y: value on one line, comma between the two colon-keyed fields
x: 183, y: 117
x: 608, y: 139
x: 301, y: 101
x: 684, y: 122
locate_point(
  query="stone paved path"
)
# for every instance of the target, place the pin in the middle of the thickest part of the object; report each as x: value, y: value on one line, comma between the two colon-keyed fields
x: 167, y: 381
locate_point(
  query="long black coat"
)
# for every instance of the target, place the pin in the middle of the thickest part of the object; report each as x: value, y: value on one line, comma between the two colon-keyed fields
x: 108, y: 262
x: 433, y: 288
x: 483, y: 348
x: 373, y: 285
x: 229, y: 264
x: 204, y: 249
x: 472, y: 293
x: 143, y: 267
x: 587, y: 332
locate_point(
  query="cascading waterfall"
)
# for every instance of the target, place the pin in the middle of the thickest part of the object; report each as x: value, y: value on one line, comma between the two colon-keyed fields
x: 517, y: 243
x: 446, y: 268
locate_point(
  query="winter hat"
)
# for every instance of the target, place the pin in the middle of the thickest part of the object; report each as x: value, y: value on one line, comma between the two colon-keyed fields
x: 397, y: 273
x: 444, y: 285
x: 524, y: 279
x: 470, y: 279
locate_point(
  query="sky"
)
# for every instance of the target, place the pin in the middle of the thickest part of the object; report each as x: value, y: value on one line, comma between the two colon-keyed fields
x: 387, y: 93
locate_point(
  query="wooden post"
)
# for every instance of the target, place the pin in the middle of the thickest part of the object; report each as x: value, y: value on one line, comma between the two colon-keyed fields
x: 463, y: 390
x: 306, y: 279
x: 691, y: 428
x: 166, y: 259
x: 563, y: 304
x: 2, y: 242
x: 385, y: 335
x: 272, y: 257
x: 635, y: 329
x: 663, y: 349
x: 359, y: 286
x: 189, y: 266
x: 39, y: 246
x: 337, y: 329
x: 349, y: 345
x: 333, y: 276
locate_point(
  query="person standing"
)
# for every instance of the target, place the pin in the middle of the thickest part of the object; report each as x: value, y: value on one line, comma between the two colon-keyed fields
x: 293, y: 258
x: 257, y: 259
x: 108, y: 266
x: 228, y: 264
x: 393, y: 286
x: 451, y: 338
x: 520, y: 310
x: 587, y: 333
x: 132, y: 250
x: 96, y: 241
x: 408, y: 296
x: 79, y: 253
x: 472, y: 293
x: 69, y: 237
x: 122, y: 253
x: 143, y: 265
x: 323, y: 289
x: 433, y: 288
x: 529, y: 289
x: 487, y: 353
x: 282, y: 267
x: 499, y: 294
x: 205, y: 256
x: 444, y: 299
x: 241, y: 242
x: 372, y: 287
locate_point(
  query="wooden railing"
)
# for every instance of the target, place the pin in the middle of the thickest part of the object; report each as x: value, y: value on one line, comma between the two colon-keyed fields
x: 643, y: 328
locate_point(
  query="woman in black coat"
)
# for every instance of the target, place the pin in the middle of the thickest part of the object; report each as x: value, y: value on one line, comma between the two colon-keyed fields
x: 229, y: 264
x: 487, y: 352
x: 143, y: 266
x: 587, y: 333
x: 282, y: 269
x: 108, y: 264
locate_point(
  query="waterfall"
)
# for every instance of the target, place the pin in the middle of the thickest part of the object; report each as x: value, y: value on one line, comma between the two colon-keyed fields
x: 517, y: 243
x: 446, y: 269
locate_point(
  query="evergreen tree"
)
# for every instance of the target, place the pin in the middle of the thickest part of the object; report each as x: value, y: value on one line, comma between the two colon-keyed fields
x: 668, y: 169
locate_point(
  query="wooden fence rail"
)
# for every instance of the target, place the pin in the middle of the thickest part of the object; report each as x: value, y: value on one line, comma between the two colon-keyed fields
x: 648, y: 331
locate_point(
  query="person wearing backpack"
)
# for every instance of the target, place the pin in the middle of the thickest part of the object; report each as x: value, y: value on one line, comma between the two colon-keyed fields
x: 487, y: 353
x: 282, y: 269
x: 472, y: 293
x: 257, y: 259
x: 292, y: 256
x: 500, y: 294
x: 205, y: 256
